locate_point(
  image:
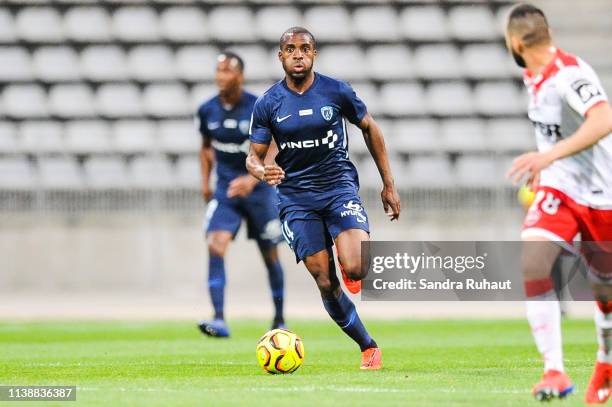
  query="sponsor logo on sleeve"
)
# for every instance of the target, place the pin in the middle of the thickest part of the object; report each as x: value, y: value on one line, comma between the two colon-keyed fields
x: 585, y: 90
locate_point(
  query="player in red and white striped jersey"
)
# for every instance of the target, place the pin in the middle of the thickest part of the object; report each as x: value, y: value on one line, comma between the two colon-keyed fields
x: 572, y: 174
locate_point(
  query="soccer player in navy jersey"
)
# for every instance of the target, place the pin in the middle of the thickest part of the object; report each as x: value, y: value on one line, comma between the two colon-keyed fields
x: 317, y: 185
x: 223, y: 122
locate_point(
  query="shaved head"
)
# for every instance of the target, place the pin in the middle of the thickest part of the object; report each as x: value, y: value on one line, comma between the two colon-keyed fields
x: 529, y: 25
x: 296, y: 30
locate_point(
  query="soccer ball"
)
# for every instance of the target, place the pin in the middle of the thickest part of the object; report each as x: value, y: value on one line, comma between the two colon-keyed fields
x: 280, y: 351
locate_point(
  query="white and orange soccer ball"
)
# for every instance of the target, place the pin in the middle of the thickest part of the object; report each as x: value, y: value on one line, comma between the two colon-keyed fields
x: 280, y: 351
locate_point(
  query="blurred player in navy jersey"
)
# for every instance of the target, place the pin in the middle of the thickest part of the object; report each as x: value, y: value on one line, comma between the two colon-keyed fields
x: 305, y: 114
x: 223, y: 122
x: 572, y: 177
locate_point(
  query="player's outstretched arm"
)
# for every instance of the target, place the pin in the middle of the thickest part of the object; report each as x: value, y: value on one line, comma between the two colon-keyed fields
x: 255, y: 163
x: 598, y: 124
x: 376, y: 145
x: 206, y: 164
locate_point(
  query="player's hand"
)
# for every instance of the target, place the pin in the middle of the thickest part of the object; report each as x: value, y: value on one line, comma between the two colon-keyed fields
x: 207, y: 193
x: 241, y: 186
x: 534, y: 181
x: 273, y: 174
x: 391, y: 201
x: 529, y: 164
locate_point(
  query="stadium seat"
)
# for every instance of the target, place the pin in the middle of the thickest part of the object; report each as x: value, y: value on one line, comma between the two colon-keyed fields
x: 71, y: 101
x: 59, y: 173
x: 356, y: 143
x: 39, y: 24
x: 427, y: 172
x: 232, y: 24
x: 15, y: 64
x: 24, y: 101
x: 437, y: 62
x: 461, y: 135
x: 275, y: 67
x: 16, y: 173
x: 196, y: 63
x: 270, y: 20
x: 56, y: 64
x: 389, y: 62
x: 376, y: 24
x: 105, y: 173
x: 136, y: 24
x: 449, y: 99
x: 257, y: 88
x: 150, y: 172
x: 329, y: 23
x: 104, y: 63
x: 151, y: 63
x: 416, y: 136
x: 485, y: 61
x: 134, y: 136
x: 473, y: 23
x: 87, y: 24
x: 8, y: 138
x: 479, y: 172
x: 399, y: 99
x: 41, y: 137
x: 188, y: 173
x: 184, y: 24
x: 493, y: 99
x: 510, y: 135
x: 88, y: 137
x: 367, y: 92
x: 115, y: 100
x: 178, y: 137
x: 343, y: 62
x: 8, y: 32
x: 166, y: 100
x: 427, y: 23
x: 201, y: 93
x: 256, y: 63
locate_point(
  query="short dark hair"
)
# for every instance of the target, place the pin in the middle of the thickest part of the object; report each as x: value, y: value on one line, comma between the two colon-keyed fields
x: 530, y: 23
x: 234, y: 56
x: 297, y: 30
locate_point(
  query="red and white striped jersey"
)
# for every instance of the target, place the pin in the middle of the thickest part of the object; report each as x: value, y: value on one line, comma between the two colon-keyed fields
x: 559, y: 101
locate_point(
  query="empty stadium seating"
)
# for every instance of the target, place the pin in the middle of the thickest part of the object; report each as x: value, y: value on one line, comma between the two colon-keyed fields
x: 101, y: 94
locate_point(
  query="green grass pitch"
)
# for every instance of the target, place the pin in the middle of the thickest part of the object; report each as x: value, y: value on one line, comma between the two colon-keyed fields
x: 426, y: 363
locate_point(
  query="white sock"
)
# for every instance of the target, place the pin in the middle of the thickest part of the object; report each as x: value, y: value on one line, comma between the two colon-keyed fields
x: 603, y: 324
x: 545, y: 320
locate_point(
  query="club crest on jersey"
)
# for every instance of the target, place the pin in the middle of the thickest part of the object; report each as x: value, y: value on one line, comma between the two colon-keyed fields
x: 327, y: 112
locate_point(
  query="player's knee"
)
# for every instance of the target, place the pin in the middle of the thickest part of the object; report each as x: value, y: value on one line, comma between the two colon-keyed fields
x: 535, y: 270
x: 326, y: 286
x: 217, y: 246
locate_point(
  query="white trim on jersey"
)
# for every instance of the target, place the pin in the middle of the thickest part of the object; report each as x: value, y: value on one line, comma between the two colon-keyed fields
x: 345, y: 141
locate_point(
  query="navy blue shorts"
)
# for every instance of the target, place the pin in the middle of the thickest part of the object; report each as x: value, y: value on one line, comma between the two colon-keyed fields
x: 308, y: 231
x: 259, y: 209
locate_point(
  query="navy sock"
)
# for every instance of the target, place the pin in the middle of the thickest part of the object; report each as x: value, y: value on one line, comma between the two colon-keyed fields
x: 277, y: 285
x: 216, y: 283
x: 343, y: 312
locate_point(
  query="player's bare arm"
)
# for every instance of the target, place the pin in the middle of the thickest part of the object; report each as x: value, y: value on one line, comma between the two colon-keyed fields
x: 598, y: 124
x: 376, y: 145
x: 257, y: 166
x: 206, y: 164
x: 242, y: 186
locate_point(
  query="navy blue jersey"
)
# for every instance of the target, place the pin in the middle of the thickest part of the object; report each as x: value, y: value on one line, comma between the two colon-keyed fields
x: 310, y: 132
x: 228, y: 131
